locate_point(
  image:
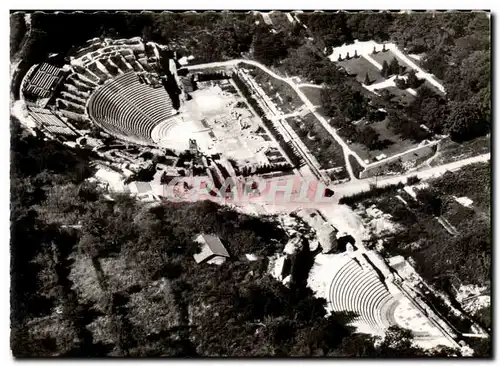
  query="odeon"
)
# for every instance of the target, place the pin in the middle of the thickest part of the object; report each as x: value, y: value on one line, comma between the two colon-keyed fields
x: 360, y: 291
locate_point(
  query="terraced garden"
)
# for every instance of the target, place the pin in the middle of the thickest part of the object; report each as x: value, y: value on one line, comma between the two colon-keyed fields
x: 321, y: 144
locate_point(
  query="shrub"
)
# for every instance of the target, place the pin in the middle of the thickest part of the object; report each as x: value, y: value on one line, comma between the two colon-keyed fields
x: 412, y: 180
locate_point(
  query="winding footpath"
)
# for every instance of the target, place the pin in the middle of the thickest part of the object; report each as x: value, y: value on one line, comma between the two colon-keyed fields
x: 308, y: 85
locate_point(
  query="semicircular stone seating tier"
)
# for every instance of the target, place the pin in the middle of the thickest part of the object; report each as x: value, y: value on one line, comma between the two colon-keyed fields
x: 162, y: 131
x: 360, y: 291
x: 128, y: 108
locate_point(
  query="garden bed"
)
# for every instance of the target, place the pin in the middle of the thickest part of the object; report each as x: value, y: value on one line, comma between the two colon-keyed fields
x: 323, y: 146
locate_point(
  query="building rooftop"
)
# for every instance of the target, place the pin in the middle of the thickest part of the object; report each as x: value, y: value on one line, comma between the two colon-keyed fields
x: 211, y: 246
x: 140, y: 187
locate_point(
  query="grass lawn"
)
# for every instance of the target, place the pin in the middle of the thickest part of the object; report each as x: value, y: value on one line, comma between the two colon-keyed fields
x: 360, y: 66
x: 401, y: 96
x: 398, y: 145
x: 313, y: 94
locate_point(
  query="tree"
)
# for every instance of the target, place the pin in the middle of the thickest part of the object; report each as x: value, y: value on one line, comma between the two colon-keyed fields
x: 386, y: 95
x: 444, y: 351
x: 465, y: 122
x: 369, y: 137
x: 356, y: 346
x: 385, y: 69
x: 304, y: 62
x: 17, y: 31
x: 329, y: 74
x: 394, y: 67
x: 355, y: 106
x: 269, y: 48
x: 405, y: 127
x: 329, y: 99
x: 376, y: 115
x: 343, y: 99
x: 398, y: 342
x: 431, y: 201
x: 412, y: 81
x: 430, y: 108
x: 400, y: 83
x: 367, y: 80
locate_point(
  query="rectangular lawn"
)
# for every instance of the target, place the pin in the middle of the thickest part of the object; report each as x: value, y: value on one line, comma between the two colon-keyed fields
x: 398, y: 145
x: 313, y: 94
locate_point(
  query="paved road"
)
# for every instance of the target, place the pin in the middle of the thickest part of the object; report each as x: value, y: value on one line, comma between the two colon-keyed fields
x: 350, y: 188
x: 274, y: 206
x: 355, y: 187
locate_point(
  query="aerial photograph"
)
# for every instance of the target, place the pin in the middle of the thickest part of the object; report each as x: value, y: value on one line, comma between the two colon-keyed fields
x: 250, y: 184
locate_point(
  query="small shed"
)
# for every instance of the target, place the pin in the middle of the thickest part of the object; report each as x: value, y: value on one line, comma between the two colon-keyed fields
x: 212, y: 249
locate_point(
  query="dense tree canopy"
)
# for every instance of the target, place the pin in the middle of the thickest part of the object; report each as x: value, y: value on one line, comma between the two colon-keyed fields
x: 345, y: 100
x: 140, y: 286
x: 236, y: 309
x: 456, y: 49
x: 269, y: 48
x: 465, y: 121
x: 17, y: 31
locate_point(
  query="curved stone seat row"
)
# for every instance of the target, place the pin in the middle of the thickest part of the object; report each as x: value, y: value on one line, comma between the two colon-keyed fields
x: 162, y: 130
x: 134, y: 109
x: 361, y: 291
